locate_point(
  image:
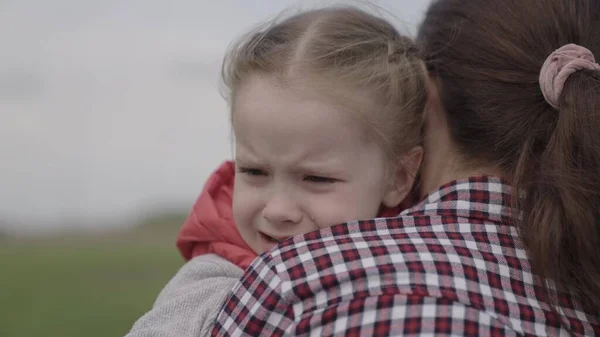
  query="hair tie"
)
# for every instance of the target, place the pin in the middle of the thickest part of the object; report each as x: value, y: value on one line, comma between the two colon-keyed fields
x: 557, y: 68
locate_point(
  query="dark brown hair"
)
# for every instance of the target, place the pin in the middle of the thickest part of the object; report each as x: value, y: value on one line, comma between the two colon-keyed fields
x: 487, y: 56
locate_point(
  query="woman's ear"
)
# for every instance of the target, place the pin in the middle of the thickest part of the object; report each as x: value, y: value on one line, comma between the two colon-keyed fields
x: 403, y: 177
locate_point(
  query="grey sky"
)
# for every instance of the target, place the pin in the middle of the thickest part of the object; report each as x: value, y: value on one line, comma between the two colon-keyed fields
x: 109, y: 108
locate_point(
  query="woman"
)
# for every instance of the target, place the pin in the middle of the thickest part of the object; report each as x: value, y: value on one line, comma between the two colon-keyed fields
x: 513, y: 101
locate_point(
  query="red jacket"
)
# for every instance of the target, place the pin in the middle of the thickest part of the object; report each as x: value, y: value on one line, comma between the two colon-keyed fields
x: 210, y: 229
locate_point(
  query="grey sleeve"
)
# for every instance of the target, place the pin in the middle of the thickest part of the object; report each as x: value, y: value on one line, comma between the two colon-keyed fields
x: 191, y: 300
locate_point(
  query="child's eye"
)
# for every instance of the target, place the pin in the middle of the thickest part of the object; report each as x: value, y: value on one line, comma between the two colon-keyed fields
x: 251, y: 171
x: 318, y: 179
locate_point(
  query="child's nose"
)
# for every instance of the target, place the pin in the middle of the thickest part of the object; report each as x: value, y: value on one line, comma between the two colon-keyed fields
x: 281, y: 210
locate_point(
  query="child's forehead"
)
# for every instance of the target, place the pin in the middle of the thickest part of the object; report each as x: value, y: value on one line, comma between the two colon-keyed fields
x: 316, y: 143
x: 313, y: 114
x: 309, y: 159
x: 303, y: 96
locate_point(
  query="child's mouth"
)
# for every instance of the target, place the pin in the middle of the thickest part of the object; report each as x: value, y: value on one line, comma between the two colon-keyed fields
x: 268, y: 242
x: 269, y: 238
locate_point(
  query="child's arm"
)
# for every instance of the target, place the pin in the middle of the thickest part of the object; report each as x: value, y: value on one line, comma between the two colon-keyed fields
x: 190, y: 302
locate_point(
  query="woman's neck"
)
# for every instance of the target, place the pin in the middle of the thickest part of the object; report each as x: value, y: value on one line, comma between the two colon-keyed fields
x: 442, y: 161
x: 442, y: 165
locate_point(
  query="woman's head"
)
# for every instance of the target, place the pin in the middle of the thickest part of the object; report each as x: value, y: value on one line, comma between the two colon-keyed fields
x: 327, y: 111
x: 486, y: 57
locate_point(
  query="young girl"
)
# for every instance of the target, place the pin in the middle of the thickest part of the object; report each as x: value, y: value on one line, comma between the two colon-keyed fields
x: 327, y: 112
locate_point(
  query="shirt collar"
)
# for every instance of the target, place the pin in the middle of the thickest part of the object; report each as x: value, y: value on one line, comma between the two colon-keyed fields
x: 484, y: 197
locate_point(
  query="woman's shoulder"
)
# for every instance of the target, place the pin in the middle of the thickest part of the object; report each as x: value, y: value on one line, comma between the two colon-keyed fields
x: 447, y: 260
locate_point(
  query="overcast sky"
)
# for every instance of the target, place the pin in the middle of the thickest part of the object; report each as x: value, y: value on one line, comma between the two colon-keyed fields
x: 110, y: 108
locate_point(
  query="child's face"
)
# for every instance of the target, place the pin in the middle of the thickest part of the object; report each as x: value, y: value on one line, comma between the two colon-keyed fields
x: 302, y: 164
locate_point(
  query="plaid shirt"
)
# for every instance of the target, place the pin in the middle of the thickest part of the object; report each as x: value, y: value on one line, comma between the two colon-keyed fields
x: 451, y: 265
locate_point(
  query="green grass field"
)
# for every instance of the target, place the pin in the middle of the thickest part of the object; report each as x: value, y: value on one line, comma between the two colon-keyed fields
x: 88, y: 286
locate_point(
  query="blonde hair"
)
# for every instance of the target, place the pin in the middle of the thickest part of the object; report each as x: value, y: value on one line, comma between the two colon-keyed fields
x: 354, y: 55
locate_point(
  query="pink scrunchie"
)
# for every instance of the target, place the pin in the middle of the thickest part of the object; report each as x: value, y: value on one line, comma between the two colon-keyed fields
x: 560, y: 65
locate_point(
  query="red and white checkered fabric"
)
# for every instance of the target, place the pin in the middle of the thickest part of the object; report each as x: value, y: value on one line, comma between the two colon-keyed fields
x: 452, y: 265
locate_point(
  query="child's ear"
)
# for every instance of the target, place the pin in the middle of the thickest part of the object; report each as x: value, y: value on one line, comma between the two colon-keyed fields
x: 404, y: 177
